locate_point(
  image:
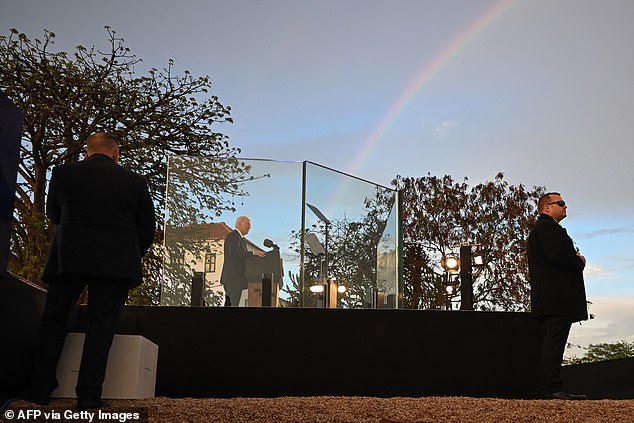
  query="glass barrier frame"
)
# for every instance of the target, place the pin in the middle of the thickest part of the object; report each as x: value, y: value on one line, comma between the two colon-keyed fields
x: 343, y: 246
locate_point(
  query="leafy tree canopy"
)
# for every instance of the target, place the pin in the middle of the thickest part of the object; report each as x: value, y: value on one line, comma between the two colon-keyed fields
x: 603, y: 352
x: 66, y: 97
x: 440, y: 214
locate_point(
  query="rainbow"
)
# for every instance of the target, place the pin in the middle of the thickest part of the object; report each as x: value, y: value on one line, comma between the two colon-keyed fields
x: 426, y: 74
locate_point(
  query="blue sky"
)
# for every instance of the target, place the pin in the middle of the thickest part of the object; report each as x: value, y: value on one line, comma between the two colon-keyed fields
x: 542, y: 90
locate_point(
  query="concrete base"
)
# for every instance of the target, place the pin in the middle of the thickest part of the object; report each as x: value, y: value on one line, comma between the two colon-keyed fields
x: 130, y: 373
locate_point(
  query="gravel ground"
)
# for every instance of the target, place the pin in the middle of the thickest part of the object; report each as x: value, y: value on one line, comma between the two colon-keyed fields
x: 355, y: 409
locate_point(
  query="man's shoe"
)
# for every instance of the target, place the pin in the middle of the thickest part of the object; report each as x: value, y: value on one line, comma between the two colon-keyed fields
x: 35, y: 397
x: 565, y: 396
x: 87, y: 404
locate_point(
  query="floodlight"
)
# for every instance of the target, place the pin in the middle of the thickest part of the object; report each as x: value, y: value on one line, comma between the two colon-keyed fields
x: 450, y: 263
x: 317, y: 289
x: 478, y: 259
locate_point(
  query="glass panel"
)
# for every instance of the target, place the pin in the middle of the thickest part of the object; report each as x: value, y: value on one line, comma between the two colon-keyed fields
x: 387, y: 265
x: 355, y: 222
x: 204, y: 198
x: 360, y: 244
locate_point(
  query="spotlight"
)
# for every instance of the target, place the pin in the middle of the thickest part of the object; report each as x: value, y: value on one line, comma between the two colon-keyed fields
x: 478, y: 259
x: 317, y: 289
x: 450, y: 263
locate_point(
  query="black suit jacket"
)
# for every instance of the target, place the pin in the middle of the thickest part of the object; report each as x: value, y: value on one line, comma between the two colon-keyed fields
x: 105, y: 221
x: 556, y: 272
x: 233, y: 276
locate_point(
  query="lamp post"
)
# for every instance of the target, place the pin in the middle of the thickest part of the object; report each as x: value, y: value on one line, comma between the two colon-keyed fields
x: 326, y: 222
x: 329, y: 290
x: 450, y: 263
x: 466, y: 278
x: 465, y: 263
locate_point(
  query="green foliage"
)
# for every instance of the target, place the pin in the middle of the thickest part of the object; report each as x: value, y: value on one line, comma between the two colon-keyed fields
x: 66, y: 97
x: 353, y: 249
x: 439, y: 214
x: 355, y: 245
x: 299, y: 296
x: 198, y: 191
x: 621, y: 349
x: 603, y: 352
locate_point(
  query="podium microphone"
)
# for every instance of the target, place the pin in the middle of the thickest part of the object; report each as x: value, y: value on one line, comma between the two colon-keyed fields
x: 270, y: 244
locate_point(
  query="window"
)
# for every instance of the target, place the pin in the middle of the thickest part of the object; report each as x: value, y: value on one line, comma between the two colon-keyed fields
x: 210, y: 262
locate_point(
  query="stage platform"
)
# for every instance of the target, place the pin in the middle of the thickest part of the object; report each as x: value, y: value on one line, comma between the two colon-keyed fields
x: 272, y: 352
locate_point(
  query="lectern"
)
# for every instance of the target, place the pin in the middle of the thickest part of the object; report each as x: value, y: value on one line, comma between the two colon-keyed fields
x: 264, y: 276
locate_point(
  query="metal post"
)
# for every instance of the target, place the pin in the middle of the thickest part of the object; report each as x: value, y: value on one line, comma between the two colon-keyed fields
x: 198, y: 289
x: 466, y: 278
x: 302, y: 239
x: 327, y: 224
x: 267, y: 287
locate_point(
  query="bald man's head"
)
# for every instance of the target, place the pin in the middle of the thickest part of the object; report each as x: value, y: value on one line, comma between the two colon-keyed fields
x: 243, y: 224
x: 103, y: 143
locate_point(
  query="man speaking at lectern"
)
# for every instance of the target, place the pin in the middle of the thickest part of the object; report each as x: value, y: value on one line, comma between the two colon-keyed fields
x: 234, y: 277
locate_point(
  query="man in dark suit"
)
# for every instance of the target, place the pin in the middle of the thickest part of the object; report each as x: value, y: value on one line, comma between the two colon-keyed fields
x: 558, y: 295
x: 233, y: 277
x: 105, y: 224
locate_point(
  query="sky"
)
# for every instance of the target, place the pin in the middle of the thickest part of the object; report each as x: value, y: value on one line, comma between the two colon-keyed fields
x: 542, y: 90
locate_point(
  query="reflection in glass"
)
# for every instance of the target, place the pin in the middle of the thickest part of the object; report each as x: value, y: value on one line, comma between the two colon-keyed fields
x: 361, y: 237
x: 324, y: 223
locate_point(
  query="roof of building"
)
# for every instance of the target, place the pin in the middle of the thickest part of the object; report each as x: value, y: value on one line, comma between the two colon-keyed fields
x: 199, y: 231
x: 204, y: 231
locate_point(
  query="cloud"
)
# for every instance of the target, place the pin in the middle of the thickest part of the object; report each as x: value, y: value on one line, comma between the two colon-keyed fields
x: 440, y: 128
x: 444, y: 128
x: 605, y: 231
x: 613, y: 322
x: 622, y: 262
x: 610, y: 266
x: 591, y: 271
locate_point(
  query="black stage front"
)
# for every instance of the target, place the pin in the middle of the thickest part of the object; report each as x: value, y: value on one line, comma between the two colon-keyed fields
x: 273, y: 352
x: 270, y: 352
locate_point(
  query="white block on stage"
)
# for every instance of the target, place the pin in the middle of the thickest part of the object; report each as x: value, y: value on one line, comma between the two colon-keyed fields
x: 130, y: 373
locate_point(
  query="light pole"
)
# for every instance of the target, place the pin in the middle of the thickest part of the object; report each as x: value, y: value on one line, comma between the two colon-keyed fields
x: 324, y: 219
x: 329, y: 290
x: 466, y: 278
x: 450, y: 263
x: 465, y: 263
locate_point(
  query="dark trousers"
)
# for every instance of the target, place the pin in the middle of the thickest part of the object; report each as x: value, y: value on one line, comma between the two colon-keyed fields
x: 556, y: 330
x: 106, y: 298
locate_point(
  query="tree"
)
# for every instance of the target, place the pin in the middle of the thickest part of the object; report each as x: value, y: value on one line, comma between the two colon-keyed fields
x: 356, y: 245
x: 603, y: 352
x: 439, y: 214
x: 192, y: 182
x: 355, y: 248
x: 64, y: 99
